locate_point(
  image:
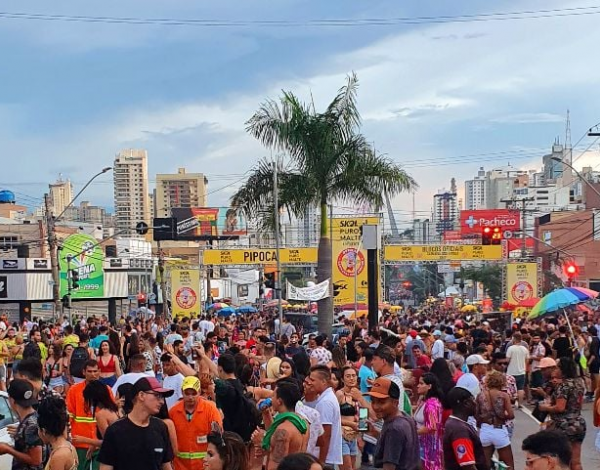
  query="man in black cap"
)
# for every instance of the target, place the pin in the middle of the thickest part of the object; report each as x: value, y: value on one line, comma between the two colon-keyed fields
x: 28, y: 448
x: 147, y: 445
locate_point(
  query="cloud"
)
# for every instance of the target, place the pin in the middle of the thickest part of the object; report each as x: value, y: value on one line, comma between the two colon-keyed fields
x: 529, y: 118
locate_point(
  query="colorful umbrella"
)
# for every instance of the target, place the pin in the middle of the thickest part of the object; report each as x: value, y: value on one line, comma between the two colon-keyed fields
x: 225, y: 312
x: 561, y: 298
x: 274, y: 303
x: 246, y: 309
x: 218, y: 306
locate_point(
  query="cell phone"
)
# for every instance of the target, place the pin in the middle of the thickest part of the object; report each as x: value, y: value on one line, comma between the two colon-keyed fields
x: 363, y: 415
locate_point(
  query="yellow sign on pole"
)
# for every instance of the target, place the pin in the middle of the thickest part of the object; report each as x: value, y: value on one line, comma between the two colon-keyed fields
x: 348, y: 263
x: 185, y: 292
x: 442, y: 252
x: 259, y: 256
x: 521, y: 282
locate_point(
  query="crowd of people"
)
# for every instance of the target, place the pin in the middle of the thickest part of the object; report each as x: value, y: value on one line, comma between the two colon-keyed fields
x: 428, y: 389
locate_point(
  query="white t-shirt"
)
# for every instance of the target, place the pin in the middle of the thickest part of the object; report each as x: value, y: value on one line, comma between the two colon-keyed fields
x: 312, y: 416
x: 329, y: 408
x: 173, y: 382
x: 437, y: 350
x: 206, y: 327
x: 130, y: 378
x: 517, y: 356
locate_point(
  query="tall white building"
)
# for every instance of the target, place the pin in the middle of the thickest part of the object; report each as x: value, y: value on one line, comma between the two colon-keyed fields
x: 310, y: 226
x: 132, y: 201
x: 475, y: 191
x: 61, y: 194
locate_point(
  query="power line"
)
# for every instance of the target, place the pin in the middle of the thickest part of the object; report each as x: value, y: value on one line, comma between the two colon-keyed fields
x: 330, y: 22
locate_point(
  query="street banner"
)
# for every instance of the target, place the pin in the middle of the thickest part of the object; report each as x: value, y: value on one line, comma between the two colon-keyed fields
x: 312, y: 293
x: 473, y: 222
x: 346, y: 258
x: 259, y: 256
x: 86, y: 257
x: 442, y: 252
x: 521, y: 282
x: 185, y: 292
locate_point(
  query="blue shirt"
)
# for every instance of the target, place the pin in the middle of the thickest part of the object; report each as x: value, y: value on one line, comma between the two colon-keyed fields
x: 95, y: 343
x: 365, y: 373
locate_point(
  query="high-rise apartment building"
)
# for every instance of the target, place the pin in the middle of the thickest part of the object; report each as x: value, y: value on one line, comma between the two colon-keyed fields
x: 445, y: 209
x: 475, y: 191
x: 179, y: 190
x: 132, y: 203
x: 61, y: 194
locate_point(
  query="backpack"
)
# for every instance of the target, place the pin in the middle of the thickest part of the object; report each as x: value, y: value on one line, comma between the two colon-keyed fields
x: 32, y: 349
x: 78, y: 359
x: 250, y: 416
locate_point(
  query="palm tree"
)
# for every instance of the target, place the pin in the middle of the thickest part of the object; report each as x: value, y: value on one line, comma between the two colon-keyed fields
x: 329, y: 160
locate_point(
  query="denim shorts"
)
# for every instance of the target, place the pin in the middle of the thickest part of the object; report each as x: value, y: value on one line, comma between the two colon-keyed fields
x: 349, y: 447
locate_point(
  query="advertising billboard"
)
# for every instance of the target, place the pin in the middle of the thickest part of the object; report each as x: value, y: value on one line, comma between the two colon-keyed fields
x: 442, y: 253
x: 259, y: 256
x: 185, y: 292
x: 473, y: 222
x: 86, y: 256
x: 346, y: 258
x: 521, y: 282
x: 205, y: 223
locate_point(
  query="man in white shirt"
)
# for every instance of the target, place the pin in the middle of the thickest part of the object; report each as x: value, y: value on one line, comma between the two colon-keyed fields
x: 437, y: 349
x: 206, y: 326
x: 517, y: 356
x: 138, y: 368
x: 330, y: 443
x: 173, y: 380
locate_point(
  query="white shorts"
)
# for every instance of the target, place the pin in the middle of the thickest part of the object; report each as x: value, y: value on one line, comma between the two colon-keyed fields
x: 494, y: 437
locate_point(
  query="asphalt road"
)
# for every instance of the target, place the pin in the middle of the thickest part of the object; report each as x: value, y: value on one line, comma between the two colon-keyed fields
x: 524, y: 426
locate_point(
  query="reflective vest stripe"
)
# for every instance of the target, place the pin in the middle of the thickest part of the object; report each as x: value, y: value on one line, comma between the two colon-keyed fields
x: 191, y: 455
x: 83, y: 419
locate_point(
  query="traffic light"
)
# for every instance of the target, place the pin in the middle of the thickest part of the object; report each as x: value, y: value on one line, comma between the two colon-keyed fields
x: 496, y: 236
x: 486, y: 236
x: 570, y: 269
x: 74, y: 279
x: 491, y: 236
x: 270, y: 280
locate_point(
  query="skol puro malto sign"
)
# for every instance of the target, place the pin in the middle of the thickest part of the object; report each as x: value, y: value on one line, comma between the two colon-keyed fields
x: 349, y: 263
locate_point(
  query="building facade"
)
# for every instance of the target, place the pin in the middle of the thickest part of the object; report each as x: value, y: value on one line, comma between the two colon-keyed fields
x: 179, y: 190
x: 445, y: 211
x: 132, y: 203
x: 475, y: 192
x: 61, y: 194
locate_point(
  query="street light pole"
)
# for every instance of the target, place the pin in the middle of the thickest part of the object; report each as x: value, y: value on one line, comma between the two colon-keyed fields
x: 53, y: 241
x: 277, y: 242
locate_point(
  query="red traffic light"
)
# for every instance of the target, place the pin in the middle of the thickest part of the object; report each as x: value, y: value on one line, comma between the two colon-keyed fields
x: 487, y: 230
x: 571, y: 269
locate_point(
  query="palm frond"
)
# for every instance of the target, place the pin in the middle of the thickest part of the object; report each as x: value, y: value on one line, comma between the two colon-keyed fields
x: 344, y: 108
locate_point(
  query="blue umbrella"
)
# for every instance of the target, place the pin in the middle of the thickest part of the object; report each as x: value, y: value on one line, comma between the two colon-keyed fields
x: 247, y: 309
x: 225, y: 312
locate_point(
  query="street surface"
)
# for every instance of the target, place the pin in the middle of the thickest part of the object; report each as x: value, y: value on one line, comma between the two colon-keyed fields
x: 524, y: 426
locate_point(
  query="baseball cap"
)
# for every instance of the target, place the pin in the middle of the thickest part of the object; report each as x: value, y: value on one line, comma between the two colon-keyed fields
x: 384, y: 388
x: 476, y: 359
x: 191, y: 382
x: 469, y: 382
x: 413, y: 333
x: 547, y: 362
x: 437, y: 333
x: 150, y: 384
x: 21, y: 391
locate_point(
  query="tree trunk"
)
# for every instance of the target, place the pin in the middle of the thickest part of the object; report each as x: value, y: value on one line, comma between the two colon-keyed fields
x: 325, y: 319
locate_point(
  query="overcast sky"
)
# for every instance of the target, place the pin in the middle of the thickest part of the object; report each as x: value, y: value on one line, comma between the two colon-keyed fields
x: 442, y: 99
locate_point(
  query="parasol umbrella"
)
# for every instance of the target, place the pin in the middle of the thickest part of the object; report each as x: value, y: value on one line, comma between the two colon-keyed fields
x: 274, y: 303
x: 582, y: 292
x: 217, y: 306
x: 553, y: 302
x: 528, y: 303
x: 225, y: 312
x: 246, y: 309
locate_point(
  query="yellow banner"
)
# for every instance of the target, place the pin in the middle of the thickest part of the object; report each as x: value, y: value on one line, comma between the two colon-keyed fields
x: 521, y: 282
x: 442, y: 252
x: 185, y: 292
x: 259, y: 256
x: 344, y: 259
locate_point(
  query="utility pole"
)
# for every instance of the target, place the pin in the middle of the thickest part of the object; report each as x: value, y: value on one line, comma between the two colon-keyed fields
x: 163, y: 284
x: 53, y: 249
x: 277, y: 242
x: 523, y: 211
